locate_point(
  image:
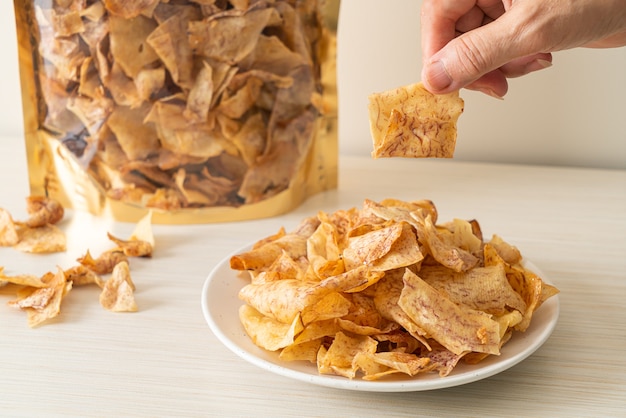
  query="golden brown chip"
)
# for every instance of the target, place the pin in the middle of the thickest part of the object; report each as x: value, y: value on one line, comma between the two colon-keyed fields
x: 8, y: 230
x: 412, y: 122
x: 459, y: 328
x: 129, y: 9
x: 118, y: 292
x: 43, y: 239
x: 267, y: 332
x: 43, y: 210
x: 129, y: 46
x: 44, y: 303
x: 141, y: 241
x: 23, y: 280
x: 384, y: 290
x: 81, y: 275
x: 105, y: 263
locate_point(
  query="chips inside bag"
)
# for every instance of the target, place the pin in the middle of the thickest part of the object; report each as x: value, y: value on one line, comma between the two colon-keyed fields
x: 199, y: 111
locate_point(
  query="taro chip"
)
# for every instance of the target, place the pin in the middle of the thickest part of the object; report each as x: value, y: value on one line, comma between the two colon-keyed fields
x: 130, y: 9
x: 67, y: 24
x: 396, y: 362
x: 23, y: 280
x: 412, y: 122
x: 149, y: 82
x: 457, y: 327
x: 81, y: 276
x: 331, y: 306
x: 8, y: 230
x: 448, y: 255
x: 169, y: 41
x: 43, y: 239
x: 200, y: 95
x: 306, y: 351
x: 267, y: 332
x: 339, y: 359
x: 104, y: 264
x: 42, y: 304
x: 43, y: 210
x: 122, y: 87
x: 138, y: 140
x: 128, y: 43
x: 371, y: 246
x: 483, y: 288
x: 118, y: 291
x: 391, y: 309
x: 228, y: 38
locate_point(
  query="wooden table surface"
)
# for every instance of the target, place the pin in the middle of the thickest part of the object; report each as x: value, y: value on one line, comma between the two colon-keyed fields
x: 165, y: 361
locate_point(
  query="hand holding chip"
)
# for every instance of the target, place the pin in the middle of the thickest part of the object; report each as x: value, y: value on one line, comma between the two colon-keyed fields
x: 478, y: 44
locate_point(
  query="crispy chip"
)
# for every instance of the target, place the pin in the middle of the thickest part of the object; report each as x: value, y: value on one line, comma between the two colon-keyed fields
x: 43, y: 239
x: 459, y: 328
x: 8, y: 230
x: 141, y: 241
x: 43, y: 210
x: 118, y: 292
x: 266, y: 332
x: 412, y: 122
x: 43, y: 303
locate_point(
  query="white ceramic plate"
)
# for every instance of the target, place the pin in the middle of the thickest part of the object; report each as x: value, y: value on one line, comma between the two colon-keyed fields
x: 220, y: 305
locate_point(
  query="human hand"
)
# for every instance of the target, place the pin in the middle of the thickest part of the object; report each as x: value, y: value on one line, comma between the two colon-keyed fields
x: 478, y: 44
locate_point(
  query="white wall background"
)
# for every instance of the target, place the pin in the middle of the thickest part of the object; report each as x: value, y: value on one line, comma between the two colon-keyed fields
x: 573, y: 113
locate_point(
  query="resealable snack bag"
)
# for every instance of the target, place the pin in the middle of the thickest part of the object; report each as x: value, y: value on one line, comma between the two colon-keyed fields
x: 200, y: 110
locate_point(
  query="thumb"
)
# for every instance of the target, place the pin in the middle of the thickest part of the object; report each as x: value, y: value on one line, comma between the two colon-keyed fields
x: 471, y: 56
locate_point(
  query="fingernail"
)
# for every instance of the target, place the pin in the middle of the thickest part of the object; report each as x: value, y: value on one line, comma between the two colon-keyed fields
x: 537, y: 65
x: 491, y: 93
x: 544, y: 63
x: 437, y: 76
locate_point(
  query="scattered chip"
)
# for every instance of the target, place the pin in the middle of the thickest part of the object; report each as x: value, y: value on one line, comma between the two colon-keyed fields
x: 118, y: 291
x: 43, y: 303
x: 8, y: 230
x: 41, y: 297
x: 227, y: 91
x: 43, y: 239
x: 412, y: 122
x: 383, y: 290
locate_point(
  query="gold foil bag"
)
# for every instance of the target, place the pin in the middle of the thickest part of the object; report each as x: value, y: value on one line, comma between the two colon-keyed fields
x: 201, y: 111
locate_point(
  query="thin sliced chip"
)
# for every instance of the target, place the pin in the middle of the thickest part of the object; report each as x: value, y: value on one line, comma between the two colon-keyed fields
x: 24, y: 280
x: 412, y: 122
x: 446, y: 254
x: 339, y: 359
x: 42, y: 304
x: 129, y: 9
x: 267, y: 332
x: 81, y: 276
x: 43, y: 210
x: 8, y: 230
x: 306, y: 351
x: 483, y: 288
x: 118, y: 292
x: 457, y: 327
x: 43, y: 239
x: 141, y: 241
x: 105, y: 263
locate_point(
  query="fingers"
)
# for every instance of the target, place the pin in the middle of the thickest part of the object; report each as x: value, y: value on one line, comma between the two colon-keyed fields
x: 468, y: 58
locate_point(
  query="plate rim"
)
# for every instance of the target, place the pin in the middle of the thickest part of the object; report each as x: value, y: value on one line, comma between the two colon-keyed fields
x: 404, y: 384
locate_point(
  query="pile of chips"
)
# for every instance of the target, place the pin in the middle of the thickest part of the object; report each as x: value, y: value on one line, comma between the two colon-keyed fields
x: 41, y: 297
x: 386, y: 289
